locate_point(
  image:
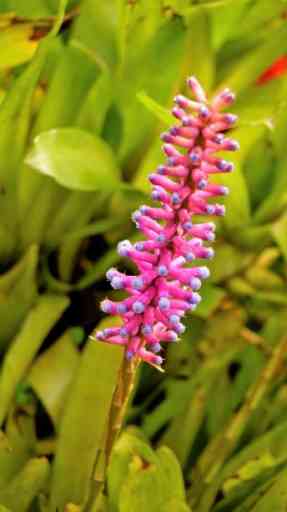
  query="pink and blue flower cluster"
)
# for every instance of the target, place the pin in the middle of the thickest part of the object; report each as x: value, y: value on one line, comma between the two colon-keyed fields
x: 168, y: 280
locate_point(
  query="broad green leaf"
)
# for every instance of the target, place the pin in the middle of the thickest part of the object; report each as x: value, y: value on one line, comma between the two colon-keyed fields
x: 62, y: 105
x: 200, y: 61
x: 237, y: 202
x: 96, y: 105
x: 126, y: 448
x: 151, y: 160
x: 96, y: 28
x: 38, y: 196
x: 73, y: 215
x: 159, y: 111
x: 33, y: 8
x: 257, y: 60
x: 18, y: 45
x: 17, y: 446
x: 212, y: 296
x: 17, y: 295
x: 149, y: 482
x: 276, y: 200
x: 172, y: 473
x: 21, y: 490
x: 38, y: 323
x: 279, y: 232
x: 186, y: 426
x: 75, y: 159
x: 52, y: 373
x: 143, y: 490
x: 258, y: 170
x: 15, y: 112
x: 275, y: 496
x: 83, y: 423
x: 166, y: 47
x: 260, y: 104
x: 234, y: 262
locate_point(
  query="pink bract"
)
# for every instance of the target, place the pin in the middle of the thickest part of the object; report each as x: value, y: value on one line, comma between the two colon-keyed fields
x: 167, y: 283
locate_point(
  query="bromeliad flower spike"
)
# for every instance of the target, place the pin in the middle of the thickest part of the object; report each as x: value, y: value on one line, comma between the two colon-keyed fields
x: 168, y: 281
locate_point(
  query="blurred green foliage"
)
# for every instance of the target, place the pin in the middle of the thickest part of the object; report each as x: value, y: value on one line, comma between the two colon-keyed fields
x: 85, y: 88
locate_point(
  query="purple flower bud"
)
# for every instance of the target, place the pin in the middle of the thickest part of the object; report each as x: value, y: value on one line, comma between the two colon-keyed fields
x: 136, y: 216
x: 190, y: 256
x: 155, y: 195
x: 106, y: 306
x: 124, y: 247
x: 162, y: 270
x: 202, y: 184
x: 195, y: 283
x: 187, y: 226
x: 204, y: 112
x: 164, y: 303
x: 138, y: 283
x: 204, y: 272
x: 111, y: 273
x: 161, y: 238
x: 147, y: 330
x: 117, y: 283
x: 139, y: 246
x: 175, y: 198
x: 161, y: 170
x: 156, y: 348
x: 121, y: 309
x: 230, y: 118
x: 195, y: 298
x: 179, y: 328
x: 138, y: 307
x: 174, y: 319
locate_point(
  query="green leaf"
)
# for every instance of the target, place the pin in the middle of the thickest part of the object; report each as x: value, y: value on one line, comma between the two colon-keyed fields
x: 153, y: 157
x: 16, y: 446
x: 279, y: 232
x: 234, y: 262
x: 18, y: 293
x: 75, y: 159
x: 256, y: 61
x: 162, y: 114
x: 96, y: 29
x: 83, y: 423
x: 96, y: 105
x: 237, y: 202
x: 275, y: 496
x: 142, y: 491
x: 52, y: 373
x: 38, y: 196
x: 15, y: 112
x: 145, y: 480
x: 39, y: 321
x: 19, y: 493
x: 172, y: 473
x: 167, y: 48
x: 199, y: 46
x: 212, y: 296
x: 18, y: 45
x: 126, y: 448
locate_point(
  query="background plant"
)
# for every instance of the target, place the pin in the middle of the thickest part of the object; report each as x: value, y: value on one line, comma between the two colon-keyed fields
x: 85, y: 89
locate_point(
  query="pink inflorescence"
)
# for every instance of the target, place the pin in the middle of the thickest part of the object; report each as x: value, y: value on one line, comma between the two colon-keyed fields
x: 167, y: 285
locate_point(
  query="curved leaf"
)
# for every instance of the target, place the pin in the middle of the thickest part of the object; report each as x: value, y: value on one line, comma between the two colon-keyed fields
x: 75, y: 159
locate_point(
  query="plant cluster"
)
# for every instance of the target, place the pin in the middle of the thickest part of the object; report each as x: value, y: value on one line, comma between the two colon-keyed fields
x: 86, y: 88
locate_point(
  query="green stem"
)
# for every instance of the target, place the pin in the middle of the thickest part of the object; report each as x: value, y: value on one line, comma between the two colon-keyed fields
x: 120, y: 400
